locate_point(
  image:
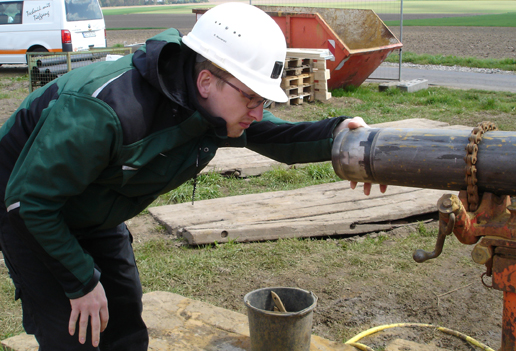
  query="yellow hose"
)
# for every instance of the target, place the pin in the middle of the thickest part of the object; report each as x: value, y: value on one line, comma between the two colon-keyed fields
x: 361, y: 347
x: 353, y: 340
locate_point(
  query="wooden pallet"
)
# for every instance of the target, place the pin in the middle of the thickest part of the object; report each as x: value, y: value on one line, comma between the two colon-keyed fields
x: 321, y: 76
x: 299, y: 88
x: 298, y: 80
x: 305, y: 79
x: 297, y: 66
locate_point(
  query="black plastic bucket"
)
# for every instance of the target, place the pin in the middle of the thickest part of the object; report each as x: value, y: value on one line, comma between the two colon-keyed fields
x: 280, y: 331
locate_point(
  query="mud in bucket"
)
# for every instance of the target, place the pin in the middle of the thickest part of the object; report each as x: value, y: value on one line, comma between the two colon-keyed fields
x: 280, y: 331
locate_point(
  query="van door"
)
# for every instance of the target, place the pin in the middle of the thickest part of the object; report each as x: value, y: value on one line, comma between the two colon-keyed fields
x: 85, y: 23
x: 12, y: 36
x: 49, y: 26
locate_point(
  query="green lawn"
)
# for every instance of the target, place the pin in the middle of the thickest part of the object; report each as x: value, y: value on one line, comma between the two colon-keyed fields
x: 459, y: 6
x: 167, y: 9
x: 409, y: 6
x: 500, y: 20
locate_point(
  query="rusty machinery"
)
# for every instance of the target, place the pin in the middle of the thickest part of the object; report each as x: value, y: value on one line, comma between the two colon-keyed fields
x: 480, y: 164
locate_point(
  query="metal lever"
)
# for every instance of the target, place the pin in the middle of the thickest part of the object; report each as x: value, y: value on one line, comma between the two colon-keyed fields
x: 421, y: 256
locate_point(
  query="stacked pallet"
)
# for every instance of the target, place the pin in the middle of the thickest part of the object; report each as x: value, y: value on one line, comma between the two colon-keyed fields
x: 305, y: 75
x: 298, y: 80
x: 321, y: 76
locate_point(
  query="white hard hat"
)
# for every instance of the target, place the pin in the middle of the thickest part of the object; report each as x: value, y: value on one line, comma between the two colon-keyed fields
x: 246, y: 42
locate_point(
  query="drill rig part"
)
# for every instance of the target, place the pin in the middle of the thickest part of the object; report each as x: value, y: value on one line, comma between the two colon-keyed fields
x: 445, y: 229
x: 425, y: 158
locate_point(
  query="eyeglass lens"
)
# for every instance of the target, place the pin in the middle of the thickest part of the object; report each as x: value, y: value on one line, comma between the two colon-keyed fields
x: 254, y: 101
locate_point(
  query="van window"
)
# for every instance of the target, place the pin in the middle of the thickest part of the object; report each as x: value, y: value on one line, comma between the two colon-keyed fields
x: 10, y: 12
x: 82, y: 10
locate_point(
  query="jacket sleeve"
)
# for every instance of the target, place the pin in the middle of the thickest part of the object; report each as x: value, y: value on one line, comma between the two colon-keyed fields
x: 292, y: 142
x: 73, y: 142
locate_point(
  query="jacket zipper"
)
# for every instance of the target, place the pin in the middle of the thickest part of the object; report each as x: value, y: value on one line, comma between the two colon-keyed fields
x: 195, y: 177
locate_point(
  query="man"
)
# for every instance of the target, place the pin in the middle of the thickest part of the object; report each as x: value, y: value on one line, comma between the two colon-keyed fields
x: 96, y: 146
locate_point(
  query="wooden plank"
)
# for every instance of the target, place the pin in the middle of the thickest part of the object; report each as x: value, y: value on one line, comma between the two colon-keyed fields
x: 322, y: 75
x: 241, y: 162
x: 321, y: 54
x: 322, y: 95
x: 321, y: 85
x: 319, y: 65
x: 292, y: 203
x: 321, y: 210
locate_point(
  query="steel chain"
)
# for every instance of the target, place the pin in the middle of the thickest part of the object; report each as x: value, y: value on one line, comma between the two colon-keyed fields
x: 471, y: 159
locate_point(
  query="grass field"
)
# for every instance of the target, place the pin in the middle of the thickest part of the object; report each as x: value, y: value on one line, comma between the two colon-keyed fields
x: 488, y: 13
x: 409, y: 6
x: 499, y: 20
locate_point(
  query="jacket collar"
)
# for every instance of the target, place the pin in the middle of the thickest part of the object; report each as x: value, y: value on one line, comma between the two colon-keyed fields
x: 168, y: 65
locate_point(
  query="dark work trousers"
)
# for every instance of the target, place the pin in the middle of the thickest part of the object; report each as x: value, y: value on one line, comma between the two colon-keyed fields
x: 46, y: 309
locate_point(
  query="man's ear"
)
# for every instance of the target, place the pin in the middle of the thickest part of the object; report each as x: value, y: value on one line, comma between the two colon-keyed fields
x: 205, y: 81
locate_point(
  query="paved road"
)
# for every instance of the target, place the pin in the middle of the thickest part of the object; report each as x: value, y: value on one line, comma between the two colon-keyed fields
x: 460, y: 80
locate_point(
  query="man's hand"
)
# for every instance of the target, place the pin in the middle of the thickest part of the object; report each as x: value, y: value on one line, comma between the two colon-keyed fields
x: 367, y: 187
x: 350, y: 123
x: 354, y: 123
x: 91, y: 306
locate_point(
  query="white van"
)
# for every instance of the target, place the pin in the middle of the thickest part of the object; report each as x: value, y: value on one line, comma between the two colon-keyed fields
x: 49, y: 26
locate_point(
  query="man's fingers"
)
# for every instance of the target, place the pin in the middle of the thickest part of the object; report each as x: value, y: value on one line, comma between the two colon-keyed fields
x: 367, y: 188
x: 356, y: 122
x: 83, y: 327
x: 72, y: 322
x: 104, y: 318
x: 95, y: 330
x: 93, y: 304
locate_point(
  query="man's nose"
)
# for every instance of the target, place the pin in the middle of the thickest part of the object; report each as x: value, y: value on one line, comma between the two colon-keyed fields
x: 257, y: 113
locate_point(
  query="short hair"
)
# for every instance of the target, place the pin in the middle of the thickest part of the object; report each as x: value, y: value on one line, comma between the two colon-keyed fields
x: 206, y: 64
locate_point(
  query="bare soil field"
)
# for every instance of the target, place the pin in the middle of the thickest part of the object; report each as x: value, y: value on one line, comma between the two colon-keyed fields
x: 480, y: 42
x: 446, y: 291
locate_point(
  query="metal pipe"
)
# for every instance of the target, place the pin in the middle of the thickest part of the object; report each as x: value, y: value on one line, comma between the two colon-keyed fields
x: 425, y: 158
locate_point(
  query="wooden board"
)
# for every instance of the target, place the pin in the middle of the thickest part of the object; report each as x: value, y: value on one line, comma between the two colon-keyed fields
x: 321, y: 210
x: 241, y: 162
x: 316, y: 211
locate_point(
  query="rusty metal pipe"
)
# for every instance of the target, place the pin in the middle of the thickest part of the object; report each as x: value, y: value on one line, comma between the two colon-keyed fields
x: 425, y: 158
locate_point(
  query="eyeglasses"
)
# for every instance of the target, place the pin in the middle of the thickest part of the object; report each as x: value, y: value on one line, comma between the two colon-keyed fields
x: 254, y: 101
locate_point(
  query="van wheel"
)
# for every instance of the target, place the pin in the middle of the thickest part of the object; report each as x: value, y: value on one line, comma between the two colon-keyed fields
x: 39, y: 49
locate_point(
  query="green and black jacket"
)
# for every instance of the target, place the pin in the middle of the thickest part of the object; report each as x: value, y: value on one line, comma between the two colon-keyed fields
x: 96, y: 146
